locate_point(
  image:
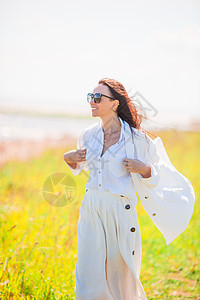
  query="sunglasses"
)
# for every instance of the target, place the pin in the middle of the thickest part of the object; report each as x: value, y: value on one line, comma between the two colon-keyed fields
x: 97, y: 97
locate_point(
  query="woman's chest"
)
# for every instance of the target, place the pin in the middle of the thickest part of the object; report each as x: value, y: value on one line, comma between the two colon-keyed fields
x: 109, y: 143
x: 107, y: 157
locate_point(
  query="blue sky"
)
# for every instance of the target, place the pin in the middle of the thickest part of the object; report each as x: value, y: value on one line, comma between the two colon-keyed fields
x: 52, y: 53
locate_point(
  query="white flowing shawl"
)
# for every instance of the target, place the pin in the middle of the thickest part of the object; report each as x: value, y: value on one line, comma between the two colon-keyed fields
x: 167, y: 196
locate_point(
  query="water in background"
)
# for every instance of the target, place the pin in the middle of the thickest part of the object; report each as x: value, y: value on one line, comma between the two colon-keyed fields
x: 37, y: 127
x: 33, y: 127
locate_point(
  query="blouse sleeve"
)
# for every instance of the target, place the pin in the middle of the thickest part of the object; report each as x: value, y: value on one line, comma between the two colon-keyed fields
x: 151, y: 157
x: 80, y: 165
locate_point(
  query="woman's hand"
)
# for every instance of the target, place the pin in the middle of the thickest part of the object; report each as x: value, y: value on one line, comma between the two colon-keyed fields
x: 137, y: 166
x: 72, y: 157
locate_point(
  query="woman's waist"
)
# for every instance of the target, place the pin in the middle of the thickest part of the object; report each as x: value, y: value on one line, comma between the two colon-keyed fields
x: 118, y: 194
x: 110, y: 197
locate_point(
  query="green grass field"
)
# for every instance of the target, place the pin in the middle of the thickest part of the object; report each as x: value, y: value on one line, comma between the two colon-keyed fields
x: 38, y: 240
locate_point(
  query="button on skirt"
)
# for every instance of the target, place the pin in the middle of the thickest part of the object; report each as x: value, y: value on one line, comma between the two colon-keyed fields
x: 108, y: 248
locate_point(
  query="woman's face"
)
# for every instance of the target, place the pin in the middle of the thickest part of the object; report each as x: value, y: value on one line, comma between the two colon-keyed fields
x: 107, y: 106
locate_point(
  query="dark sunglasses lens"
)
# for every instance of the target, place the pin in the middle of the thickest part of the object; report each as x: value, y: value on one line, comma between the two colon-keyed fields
x: 97, y: 98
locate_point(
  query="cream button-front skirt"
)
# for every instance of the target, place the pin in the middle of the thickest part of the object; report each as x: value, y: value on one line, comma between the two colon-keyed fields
x: 108, y: 248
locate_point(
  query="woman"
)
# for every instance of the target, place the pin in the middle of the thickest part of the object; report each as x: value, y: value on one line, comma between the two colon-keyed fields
x: 109, y: 241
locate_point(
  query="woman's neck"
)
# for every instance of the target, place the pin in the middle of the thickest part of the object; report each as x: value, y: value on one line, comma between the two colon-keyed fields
x: 111, y: 124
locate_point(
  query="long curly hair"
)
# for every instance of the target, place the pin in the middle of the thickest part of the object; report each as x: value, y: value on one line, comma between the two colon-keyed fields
x: 126, y: 109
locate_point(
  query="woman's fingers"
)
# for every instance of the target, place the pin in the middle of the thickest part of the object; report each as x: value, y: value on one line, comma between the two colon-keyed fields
x: 74, y: 156
x: 132, y: 165
x: 81, y: 155
x: 135, y: 165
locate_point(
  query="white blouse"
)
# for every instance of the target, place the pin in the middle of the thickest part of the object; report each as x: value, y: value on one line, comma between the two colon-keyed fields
x: 106, y: 172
